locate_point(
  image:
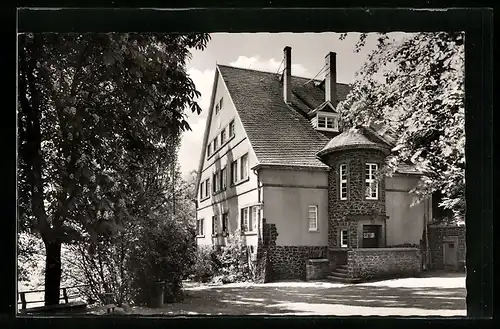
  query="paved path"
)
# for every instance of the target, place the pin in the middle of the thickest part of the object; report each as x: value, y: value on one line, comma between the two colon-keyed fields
x: 442, y: 295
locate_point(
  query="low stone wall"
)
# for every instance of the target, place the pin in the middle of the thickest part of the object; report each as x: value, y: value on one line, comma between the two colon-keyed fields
x: 289, y: 262
x: 368, y: 263
x: 317, y: 269
x: 437, y: 235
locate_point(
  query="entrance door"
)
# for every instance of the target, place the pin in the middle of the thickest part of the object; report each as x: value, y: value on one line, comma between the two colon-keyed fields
x: 371, y: 236
x: 450, y: 254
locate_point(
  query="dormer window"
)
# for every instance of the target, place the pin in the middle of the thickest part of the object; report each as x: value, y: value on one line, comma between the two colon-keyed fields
x: 327, y: 121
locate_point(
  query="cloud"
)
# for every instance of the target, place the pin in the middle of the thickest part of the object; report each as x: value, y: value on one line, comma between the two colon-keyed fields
x: 203, y: 81
x: 189, y: 152
x: 270, y: 65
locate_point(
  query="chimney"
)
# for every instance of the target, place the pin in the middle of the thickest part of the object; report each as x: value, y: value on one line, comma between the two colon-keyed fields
x: 287, y: 75
x: 331, y: 78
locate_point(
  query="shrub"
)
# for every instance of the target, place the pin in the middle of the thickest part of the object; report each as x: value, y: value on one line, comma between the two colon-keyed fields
x: 163, y: 252
x: 205, y: 264
x: 224, y: 264
x: 233, y: 260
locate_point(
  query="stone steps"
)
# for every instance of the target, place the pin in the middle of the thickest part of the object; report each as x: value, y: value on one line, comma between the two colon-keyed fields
x: 336, y: 278
x: 341, y: 274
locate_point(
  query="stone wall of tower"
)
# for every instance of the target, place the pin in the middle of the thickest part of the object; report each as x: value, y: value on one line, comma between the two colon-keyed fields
x: 345, y: 213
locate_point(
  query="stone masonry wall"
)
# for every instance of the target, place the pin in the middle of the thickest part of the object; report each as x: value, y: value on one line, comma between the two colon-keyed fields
x: 356, y: 204
x: 317, y: 269
x: 289, y: 262
x: 383, y: 262
x: 437, y: 234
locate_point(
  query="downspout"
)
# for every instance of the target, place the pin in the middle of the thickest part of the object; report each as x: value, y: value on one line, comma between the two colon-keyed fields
x: 426, y: 228
x: 259, y: 223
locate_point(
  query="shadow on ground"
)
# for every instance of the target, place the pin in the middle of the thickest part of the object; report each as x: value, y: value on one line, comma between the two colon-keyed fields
x: 268, y: 299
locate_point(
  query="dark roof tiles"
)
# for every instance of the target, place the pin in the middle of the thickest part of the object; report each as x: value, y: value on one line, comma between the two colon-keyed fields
x: 280, y: 134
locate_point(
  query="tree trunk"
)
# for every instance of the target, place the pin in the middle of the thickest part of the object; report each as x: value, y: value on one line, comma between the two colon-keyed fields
x: 52, y: 272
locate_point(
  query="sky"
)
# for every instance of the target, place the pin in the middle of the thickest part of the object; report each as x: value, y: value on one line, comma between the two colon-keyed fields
x: 264, y: 51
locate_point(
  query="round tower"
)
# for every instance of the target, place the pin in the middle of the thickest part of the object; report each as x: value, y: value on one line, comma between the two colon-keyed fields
x: 356, y: 193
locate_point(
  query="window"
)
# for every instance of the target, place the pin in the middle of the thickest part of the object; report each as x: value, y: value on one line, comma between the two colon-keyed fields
x: 223, y: 178
x: 244, y: 166
x: 225, y: 223
x: 343, y: 238
x: 199, y: 226
x: 343, y: 182
x: 327, y: 122
x: 231, y: 129
x: 244, y: 219
x: 216, y: 181
x: 249, y: 218
x: 234, y: 172
x: 222, y: 136
x: 371, y: 184
x: 216, y: 143
x: 207, y: 187
x: 253, y: 218
x: 202, y: 189
x: 221, y: 103
x: 214, y: 225
x: 313, y: 217
x: 209, y: 149
x: 218, y: 106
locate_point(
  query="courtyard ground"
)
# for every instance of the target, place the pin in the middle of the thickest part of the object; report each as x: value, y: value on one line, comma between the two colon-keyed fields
x: 431, y: 295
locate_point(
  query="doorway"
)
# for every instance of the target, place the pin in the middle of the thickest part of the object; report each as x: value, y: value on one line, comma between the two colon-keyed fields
x: 450, y: 253
x: 371, y: 236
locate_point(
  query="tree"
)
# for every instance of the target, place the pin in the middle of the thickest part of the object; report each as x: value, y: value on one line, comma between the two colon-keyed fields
x: 90, y: 105
x: 415, y: 87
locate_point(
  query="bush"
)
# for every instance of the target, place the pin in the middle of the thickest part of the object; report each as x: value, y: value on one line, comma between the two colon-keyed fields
x: 227, y: 264
x: 233, y: 260
x: 163, y: 252
x: 205, y: 264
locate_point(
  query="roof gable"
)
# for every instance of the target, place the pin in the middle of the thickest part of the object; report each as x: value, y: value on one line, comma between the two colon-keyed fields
x: 280, y: 134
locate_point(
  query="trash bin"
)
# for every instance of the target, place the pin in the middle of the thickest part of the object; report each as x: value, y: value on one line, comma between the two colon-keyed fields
x: 156, y: 294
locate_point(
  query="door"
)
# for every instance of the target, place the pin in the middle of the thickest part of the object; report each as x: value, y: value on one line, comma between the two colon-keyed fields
x: 371, y: 236
x: 450, y: 254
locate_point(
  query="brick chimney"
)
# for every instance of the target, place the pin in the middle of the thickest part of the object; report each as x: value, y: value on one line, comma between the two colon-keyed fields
x: 331, y: 78
x: 287, y: 75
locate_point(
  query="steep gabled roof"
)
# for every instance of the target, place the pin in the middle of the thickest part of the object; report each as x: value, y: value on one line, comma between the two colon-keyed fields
x: 280, y: 134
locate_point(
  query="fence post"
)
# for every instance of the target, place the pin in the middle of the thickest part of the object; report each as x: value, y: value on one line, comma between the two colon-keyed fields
x: 65, y: 295
x: 23, y: 300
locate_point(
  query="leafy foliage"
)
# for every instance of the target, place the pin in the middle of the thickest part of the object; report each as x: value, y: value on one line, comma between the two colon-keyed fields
x: 228, y: 263
x: 164, y: 252
x: 414, y: 88
x: 205, y: 265
x: 97, y: 112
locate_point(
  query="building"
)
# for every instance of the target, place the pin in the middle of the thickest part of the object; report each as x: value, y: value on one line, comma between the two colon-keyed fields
x: 276, y: 166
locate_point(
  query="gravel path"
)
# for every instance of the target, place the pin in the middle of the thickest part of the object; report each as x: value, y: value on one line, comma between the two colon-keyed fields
x: 442, y: 295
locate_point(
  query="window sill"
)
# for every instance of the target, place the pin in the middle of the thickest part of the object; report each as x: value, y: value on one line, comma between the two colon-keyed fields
x: 327, y: 129
x: 205, y: 198
x: 200, y: 236
x: 240, y: 182
x: 250, y: 233
x: 314, y: 231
